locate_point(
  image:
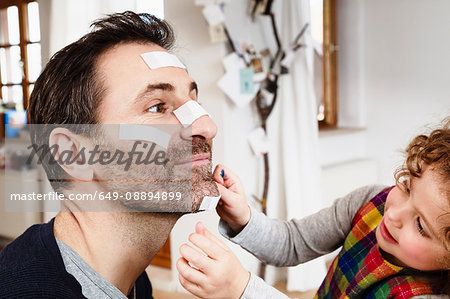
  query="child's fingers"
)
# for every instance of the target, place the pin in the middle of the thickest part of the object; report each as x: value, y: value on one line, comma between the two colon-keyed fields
x: 208, y: 246
x: 191, y: 274
x: 228, y: 178
x: 190, y: 286
x: 223, y: 191
x: 218, y: 174
x: 226, y: 195
x: 201, y: 229
x: 194, y: 257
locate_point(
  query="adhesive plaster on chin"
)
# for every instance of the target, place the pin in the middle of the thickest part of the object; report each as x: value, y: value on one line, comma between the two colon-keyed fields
x: 157, y: 59
x: 209, y: 203
x: 143, y: 132
x: 189, y: 112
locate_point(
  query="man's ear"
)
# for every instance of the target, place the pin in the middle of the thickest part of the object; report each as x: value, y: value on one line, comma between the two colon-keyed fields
x: 70, y: 154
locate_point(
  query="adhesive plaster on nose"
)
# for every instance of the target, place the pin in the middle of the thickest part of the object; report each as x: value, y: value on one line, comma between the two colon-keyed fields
x: 144, y: 132
x: 189, y: 112
x: 157, y: 59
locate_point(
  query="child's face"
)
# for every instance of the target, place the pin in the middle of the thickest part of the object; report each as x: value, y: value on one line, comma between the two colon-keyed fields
x: 410, y: 230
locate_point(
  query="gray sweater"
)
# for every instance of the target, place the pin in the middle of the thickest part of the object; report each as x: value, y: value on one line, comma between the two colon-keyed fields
x: 289, y: 243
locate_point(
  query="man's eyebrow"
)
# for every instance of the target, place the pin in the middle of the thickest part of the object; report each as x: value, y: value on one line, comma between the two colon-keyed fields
x: 163, y: 87
x: 151, y: 88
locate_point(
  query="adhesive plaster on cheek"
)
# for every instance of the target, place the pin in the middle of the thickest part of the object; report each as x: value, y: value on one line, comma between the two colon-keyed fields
x: 189, y: 112
x: 143, y: 132
x: 157, y: 59
x: 209, y: 203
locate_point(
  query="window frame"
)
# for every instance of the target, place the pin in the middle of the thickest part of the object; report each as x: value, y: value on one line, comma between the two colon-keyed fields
x: 329, y: 65
x: 24, y: 42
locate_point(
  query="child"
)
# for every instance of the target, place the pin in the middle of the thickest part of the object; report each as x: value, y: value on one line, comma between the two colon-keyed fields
x: 396, y: 240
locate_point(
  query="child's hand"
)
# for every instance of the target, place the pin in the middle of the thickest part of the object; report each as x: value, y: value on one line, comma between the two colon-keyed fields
x: 232, y: 207
x: 218, y: 275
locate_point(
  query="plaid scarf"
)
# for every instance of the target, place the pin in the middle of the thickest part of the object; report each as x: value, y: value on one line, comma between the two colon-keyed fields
x: 359, y: 270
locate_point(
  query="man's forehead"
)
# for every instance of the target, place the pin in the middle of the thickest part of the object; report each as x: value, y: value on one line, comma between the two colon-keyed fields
x: 145, y: 63
x: 127, y: 53
x: 159, y: 59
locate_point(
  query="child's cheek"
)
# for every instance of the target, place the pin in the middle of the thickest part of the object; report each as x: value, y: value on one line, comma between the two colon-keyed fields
x: 416, y: 254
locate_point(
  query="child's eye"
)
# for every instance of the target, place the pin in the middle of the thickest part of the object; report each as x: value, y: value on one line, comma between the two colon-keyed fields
x: 158, y: 108
x: 420, y: 227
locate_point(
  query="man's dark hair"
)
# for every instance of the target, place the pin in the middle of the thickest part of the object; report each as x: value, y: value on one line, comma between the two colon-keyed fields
x: 69, y: 90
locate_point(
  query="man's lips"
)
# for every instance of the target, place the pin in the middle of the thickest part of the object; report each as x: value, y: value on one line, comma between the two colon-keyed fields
x: 386, y: 234
x: 197, y: 159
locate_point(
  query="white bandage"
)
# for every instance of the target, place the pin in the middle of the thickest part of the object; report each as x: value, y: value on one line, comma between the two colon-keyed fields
x: 144, y: 132
x: 157, y: 59
x: 189, y: 112
x: 209, y: 203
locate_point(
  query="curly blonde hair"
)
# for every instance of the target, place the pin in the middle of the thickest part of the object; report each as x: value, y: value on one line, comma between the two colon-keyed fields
x: 424, y: 150
x: 433, y: 150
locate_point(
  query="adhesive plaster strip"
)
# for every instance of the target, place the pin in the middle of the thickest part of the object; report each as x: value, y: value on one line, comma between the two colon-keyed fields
x: 209, y: 203
x: 144, y: 132
x: 189, y: 112
x: 157, y: 59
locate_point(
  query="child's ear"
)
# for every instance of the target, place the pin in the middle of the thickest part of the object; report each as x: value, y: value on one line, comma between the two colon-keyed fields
x: 70, y: 154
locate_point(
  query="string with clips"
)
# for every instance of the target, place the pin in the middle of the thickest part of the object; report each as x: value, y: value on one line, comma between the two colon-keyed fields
x: 268, y: 88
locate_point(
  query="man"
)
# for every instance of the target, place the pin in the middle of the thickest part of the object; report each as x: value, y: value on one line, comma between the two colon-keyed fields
x: 103, y: 79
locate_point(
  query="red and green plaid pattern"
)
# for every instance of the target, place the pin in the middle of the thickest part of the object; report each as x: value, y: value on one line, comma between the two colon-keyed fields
x: 359, y: 271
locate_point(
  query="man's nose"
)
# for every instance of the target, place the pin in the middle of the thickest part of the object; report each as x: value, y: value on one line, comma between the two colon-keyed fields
x: 203, y: 126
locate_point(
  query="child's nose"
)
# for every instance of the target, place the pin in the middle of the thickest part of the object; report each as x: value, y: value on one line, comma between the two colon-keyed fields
x: 394, y: 217
x: 397, y: 214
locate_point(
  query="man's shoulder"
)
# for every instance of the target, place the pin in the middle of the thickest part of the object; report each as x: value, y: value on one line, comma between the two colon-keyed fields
x: 29, y: 268
x: 143, y: 286
x: 24, y: 250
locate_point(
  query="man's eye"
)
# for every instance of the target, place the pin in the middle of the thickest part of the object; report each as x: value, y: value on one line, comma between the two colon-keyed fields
x: 158, y: 108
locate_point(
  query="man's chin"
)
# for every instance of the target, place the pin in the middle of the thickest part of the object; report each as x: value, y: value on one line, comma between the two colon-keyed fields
x: 208, y: 189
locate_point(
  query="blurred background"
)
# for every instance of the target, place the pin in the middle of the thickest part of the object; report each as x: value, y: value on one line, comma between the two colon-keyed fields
x: 354, y: 82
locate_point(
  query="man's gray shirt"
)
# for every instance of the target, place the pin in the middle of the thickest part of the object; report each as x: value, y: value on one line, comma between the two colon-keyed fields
x: 93, y: 284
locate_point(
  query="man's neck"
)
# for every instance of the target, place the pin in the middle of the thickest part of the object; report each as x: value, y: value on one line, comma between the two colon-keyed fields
x: 117, y: 245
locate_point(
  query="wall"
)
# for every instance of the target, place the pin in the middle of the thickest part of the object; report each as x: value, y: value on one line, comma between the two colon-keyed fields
x: 407, y: 65
x: 393, y: 62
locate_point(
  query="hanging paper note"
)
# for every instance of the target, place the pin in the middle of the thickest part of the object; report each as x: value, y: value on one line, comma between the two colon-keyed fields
x: 204, y: 2
x: 259, y: 142
x: 246, y: 80
x: 217, y: 33
x: 230, y: 81
x: 213, y: 15
x: 257, y: 64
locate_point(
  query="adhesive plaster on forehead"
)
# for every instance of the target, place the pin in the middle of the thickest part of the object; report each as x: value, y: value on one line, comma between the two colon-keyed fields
x: 157, y: 59
x: 209, y: 203
x: 189, y: 112
x: 144, y: 132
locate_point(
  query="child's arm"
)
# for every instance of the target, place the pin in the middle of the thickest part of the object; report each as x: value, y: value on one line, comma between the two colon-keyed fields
x: 218, y: 274
x: 285, y: 243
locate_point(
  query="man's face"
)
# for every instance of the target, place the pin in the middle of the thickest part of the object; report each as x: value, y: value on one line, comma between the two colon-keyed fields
x: 136, y: 94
